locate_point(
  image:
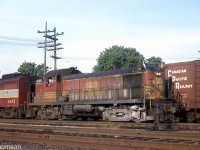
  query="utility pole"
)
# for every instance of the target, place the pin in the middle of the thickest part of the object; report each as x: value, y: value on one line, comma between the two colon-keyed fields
x: 52, y: 43
x: 44, y: 45
x: 55, y: 46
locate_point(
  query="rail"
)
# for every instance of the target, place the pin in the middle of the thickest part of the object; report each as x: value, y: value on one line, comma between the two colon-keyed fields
x: 101, y: 138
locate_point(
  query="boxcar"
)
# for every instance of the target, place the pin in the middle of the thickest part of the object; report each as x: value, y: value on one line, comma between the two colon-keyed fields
x: 185, y: 84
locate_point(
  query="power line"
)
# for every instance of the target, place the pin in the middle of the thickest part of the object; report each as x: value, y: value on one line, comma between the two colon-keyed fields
x: 8, y: 43
x: 17, y: 39
x: 13, y: 41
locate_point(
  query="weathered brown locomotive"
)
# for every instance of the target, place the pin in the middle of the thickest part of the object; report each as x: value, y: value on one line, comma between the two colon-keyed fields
x: 116, y: 95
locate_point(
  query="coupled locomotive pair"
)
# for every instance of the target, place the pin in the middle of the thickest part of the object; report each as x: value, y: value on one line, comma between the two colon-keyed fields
x: 117, y: 95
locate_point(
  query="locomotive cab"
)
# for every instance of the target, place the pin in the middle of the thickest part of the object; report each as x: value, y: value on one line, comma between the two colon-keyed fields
x: 48, y: 91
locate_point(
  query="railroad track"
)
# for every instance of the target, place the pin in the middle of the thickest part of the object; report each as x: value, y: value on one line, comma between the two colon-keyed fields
x: 125, y: 125
x: 103, y: 143
x: 100, y: 137
x: 102, y: 131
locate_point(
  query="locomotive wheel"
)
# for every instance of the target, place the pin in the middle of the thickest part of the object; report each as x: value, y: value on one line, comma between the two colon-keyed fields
x: 198, y: 120
x: 74, y: 118
x: 84, y: 118
x: 95, y: 118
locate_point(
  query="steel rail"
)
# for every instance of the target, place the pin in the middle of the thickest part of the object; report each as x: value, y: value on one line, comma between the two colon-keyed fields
x: 116, y: 132
x: 130, y: 125
x: 96, y: 142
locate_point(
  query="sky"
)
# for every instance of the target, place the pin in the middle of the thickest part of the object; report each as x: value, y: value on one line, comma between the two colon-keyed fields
x: 169, y: 29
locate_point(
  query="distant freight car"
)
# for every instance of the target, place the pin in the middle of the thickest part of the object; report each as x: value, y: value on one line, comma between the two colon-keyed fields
x: 15, y: 93
x: 185, y: 86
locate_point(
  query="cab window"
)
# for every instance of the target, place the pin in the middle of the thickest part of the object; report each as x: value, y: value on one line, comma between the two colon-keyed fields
x: 49, y: 81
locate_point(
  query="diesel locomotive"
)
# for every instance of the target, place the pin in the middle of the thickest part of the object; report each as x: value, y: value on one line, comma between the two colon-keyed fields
x: 117, y: 95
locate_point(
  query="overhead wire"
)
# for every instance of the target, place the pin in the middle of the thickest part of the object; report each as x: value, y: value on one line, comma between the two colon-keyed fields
x: 13, y: 41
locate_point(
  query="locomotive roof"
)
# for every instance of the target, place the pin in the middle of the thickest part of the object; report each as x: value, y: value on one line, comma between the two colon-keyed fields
x: 13, y: 75
x: 64, y: 72
x: 11, y: 79
x: 136, y: 69
x: 17, y: 76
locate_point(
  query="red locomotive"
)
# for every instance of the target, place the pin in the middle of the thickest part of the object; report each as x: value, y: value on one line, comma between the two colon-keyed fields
x: 117, y: 95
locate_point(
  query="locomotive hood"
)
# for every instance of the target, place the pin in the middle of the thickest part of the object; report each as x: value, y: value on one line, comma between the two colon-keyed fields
x: 147, y: 67
x: 63, y: 72
x: 136, y: 68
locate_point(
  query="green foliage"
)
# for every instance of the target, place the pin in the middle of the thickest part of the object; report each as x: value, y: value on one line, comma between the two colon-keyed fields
x: 154, y: 60
x: 40, y: 70
x: 31, y: 69
x: 117, y: 54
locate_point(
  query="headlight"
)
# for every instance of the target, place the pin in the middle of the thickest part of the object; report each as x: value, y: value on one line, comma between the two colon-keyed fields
x: 158, y: 73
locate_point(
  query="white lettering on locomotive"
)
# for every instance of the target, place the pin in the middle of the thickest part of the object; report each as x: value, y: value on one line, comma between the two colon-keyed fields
x: 11, y: 101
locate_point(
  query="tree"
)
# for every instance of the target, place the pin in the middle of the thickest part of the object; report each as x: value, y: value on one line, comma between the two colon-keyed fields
x: 40, y: 69
x: 117, y: 54
x: 31, y: 69
x: 154, y: 60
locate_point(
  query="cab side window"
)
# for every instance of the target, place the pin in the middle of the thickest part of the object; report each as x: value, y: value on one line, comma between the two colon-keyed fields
x: 49, y: 81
